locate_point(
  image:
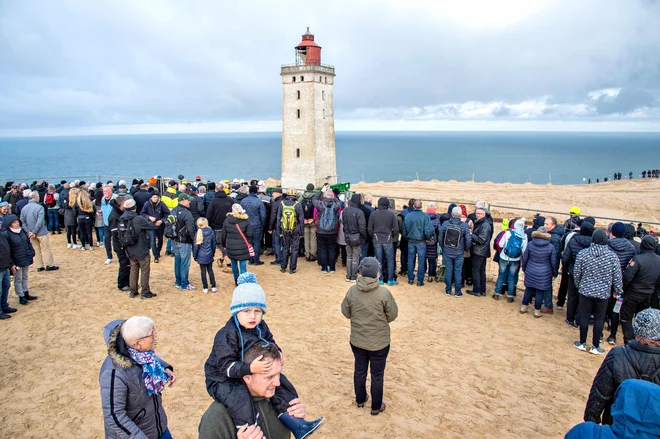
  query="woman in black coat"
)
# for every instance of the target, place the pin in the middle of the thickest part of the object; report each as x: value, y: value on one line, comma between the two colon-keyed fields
x: 22, y: 256
x: 236, y: 244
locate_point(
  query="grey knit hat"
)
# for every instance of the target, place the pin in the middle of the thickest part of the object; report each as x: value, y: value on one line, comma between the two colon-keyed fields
x: 247, y: 295
x: 369, y: 267
x: 647, y: 324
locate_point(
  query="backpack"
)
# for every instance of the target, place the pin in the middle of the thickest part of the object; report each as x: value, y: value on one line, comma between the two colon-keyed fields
x: 50, y: 200
x: 288, y: 221
x: 308, y: 208
x: 452, y: 236
x: 513, y: 247
x: 171, y: 226
x: 127, y: 235
x: 328, y: 221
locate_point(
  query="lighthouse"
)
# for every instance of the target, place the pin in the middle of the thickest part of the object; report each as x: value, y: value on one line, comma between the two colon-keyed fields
x: 308, y: 123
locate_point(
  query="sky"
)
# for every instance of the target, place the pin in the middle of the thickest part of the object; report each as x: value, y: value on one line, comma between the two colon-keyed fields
x: 158, y: 66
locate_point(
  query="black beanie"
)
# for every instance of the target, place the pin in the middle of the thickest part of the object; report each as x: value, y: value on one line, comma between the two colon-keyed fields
x: 587, y: 229
x: 369, y: 267
x: 310, y: 187
x: 135, y: 181
x: 590, y: 219
x: 649, y: 243
x: 253, y: 189
x: 599, y: 237
x: 618, y: 229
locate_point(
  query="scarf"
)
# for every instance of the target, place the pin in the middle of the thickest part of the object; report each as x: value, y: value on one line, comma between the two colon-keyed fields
x: 153, y: 373
x: 17, y: 231
x: 646, y: 341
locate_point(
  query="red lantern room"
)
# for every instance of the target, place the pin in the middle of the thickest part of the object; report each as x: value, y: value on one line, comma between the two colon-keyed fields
x: 308, y: 52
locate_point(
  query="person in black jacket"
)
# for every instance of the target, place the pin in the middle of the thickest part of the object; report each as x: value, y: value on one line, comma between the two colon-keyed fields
x: 290, y: 223
x: 217, y: 212
x: 367, y: 208
x: 22, y: 255
x: 138, y: 253
x: 272, y: 225
x: 196, y: 206
x: 141, y: 197
x: 639, y: 359
x: 355, y: 233
x: 630, y: 236
x: 625, y: 251
x: 124, y: 270
x: 226, y: 366
x: 480, y: 250
x: 574, y: 246
x: 641, y: 280
x: 155, y: 211
x: 383, y: 228
x: 182, y: 243
x: 6, y: 266
x: 235, y: 236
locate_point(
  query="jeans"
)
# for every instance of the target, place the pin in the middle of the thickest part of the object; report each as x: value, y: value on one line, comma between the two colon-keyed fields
x: 256, y: 243
x: 538, y: 301
x: 182, y: 254
x: 632, y: 304
x: 388, y: 249
x: 107, y: 241
x: 597, y: 307
x: 6, y: 283
x: 207, y: 268
x: 453, y: 272
x: 376, y: 360
x: 235, y: 268
x: 353, y: 253
x: 156, y: 239
x: 364, y: 250
x: 479, y: 274
x: 418, y: 250
x: 547, y: 298
x: 277, y: 246
x: 168, y: 246
x: 100, y: 234
x: 432, y: 266
x: 508, y: 274
x: 53, y: 220
x: 327, y: 250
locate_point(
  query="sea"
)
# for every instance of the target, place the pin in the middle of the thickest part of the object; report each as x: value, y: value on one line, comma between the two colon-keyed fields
x: 517, y: 157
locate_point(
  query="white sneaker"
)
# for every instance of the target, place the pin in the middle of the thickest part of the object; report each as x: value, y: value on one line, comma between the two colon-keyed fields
x: 108, y: 261
x: 83, y: 249
x: 77, y: 245
x: 69, y: 246
x: 214, y: 290
x: 596, y: 350
x: 91, y: 248
x: 99, y: 244
x: 206, y: 290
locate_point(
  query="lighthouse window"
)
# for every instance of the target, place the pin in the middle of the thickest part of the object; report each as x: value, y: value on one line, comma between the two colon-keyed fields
x: 324, y: 113
x: 294, y: 79
x: 297, y: 152
x: 302, y: 78
x: 326, y: 79
x: 298, y: 113
x: 298, y: 94
x: 320, y: 79
x: 322, y: 94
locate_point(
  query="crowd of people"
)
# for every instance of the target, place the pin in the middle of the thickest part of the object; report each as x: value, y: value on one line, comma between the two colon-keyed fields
x: 651, y: 173
x: 607, y: 277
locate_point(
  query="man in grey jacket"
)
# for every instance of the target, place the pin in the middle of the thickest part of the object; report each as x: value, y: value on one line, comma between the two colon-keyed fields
x: 33, y: 220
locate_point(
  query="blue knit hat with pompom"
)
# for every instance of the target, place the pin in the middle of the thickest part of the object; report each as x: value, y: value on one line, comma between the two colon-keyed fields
x: 247, y: 278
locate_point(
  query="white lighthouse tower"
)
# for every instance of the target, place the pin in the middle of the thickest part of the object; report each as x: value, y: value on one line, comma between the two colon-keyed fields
x: 308, y: 124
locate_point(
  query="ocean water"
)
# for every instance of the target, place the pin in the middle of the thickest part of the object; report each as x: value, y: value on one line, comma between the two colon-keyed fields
x: 518, y: 157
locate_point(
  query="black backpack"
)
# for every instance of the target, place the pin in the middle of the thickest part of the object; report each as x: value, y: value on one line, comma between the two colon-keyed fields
x: 127, y: 234
x: 452, y: 236
x: 171, y: 226
x: 308, y: 208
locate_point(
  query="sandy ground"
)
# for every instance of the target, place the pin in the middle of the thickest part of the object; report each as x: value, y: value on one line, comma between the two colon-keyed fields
x: 458, y: 368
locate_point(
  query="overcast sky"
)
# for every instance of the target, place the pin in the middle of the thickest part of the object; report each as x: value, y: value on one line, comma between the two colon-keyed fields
x: 84, y: 66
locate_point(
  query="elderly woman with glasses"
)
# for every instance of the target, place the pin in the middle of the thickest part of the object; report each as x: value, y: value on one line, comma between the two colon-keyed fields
x: 132, y: 379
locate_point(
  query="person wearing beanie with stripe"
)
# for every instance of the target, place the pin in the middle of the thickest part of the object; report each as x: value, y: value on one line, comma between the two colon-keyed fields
x: 638, y: 359
x: 574, y: 246
x: 597, y: 275
x: 226, y: 367
x: 513, y: 244
x: 371, y: 308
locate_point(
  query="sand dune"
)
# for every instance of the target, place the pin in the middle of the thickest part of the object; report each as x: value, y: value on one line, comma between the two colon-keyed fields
x: 458, y: 368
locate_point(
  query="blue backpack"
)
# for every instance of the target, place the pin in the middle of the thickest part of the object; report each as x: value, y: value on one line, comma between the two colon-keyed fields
x: 513, y: 247
x: 329, y: 220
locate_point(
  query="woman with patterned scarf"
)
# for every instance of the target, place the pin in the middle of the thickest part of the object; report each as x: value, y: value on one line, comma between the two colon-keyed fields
x: 132, y: 378
x: 639, y: 359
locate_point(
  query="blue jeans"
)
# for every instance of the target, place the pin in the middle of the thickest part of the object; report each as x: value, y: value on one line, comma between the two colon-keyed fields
x: 168, y: 247
x: 6, y: 283
x: 547, y: 299
x: 388, y: 249
x: 257, y: 234
x: 182, y: 254
x: 508, y: 273
x: 277, y: 246
x: 364, y: 250
x: 540, y: 294
x: 235, y: 268
x: 107, y: 240
x: 453, y: 272
x: 53, y: 220
x: 418, y: 250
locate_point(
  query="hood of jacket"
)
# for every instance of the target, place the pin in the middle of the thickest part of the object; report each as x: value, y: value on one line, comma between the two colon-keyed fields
x: 519, y: 226
x: 630, y: 232
x: 539, y: 221
x: 618, y: 244
x: 355, y: 200
x: 583, y: 240
x: 207, y: 231
x: 237, y: 217
x: 220, y: 194
x: 366, y: 284
x: 308, y: 194
x: 635, y: 410
x: 383, y: 203
x: 597, y: 250
x: 648, y: 244
x: 117, y: 349
x: 128, y: 215
x: 115, y: 206
x: 558, y: 230
x: 541, y: 235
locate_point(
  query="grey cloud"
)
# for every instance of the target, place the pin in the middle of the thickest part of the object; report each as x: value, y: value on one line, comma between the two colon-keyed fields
x: 79, y: 63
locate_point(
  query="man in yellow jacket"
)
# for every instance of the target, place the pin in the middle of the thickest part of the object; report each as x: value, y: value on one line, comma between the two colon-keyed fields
x: 170, y: 199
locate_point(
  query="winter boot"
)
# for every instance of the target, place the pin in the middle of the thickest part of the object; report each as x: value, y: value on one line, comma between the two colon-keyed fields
x: 298, y: 426
x: 523, y: 309
x: 537, y: 313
